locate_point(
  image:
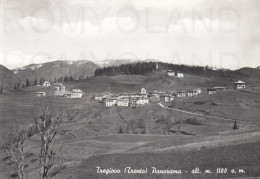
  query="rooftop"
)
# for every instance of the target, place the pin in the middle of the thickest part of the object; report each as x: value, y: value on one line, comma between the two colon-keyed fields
x: 211, y: 89
x: 181, y: 92
x: 239, y: 81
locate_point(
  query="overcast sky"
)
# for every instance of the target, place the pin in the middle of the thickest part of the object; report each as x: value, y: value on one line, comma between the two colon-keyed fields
x: 221, y: 33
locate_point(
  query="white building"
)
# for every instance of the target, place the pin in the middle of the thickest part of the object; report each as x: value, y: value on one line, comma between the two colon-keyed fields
x: 46, y: 84
x: 67, y: 94
x: 122, y: 102
x: 98, y: 98
x: 110, y: 102
x: 76, y: 93
x: 132, y: 102
x: 41, y: 94
x: 181, y: 94
x: 198, y: 91
x: 211, y: 91
x: 166, y: 97
x: 189, y: 93
x: 144, y: 95
x: 60, y: 90
x: 179, y: 75
x: 160, y: 91
x: 240, y: 85
x: 143, y: 91
x: 135, y: 95
x: 192, y: 93
x: 142, y: 101
x: 169, y: 98
x: 170, y: 73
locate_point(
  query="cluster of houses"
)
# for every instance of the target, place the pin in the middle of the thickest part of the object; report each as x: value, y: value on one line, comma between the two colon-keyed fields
x: 237, y: 85
x: 136, y: 99
x: 177, y: 74
x: 189, y: 93
x: 142, y: 98
x: 41, y: 93
x: 61, y: 91
x: 129, y: 99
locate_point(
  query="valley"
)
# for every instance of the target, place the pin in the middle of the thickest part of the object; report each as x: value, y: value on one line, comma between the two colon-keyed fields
x: 184, y: 134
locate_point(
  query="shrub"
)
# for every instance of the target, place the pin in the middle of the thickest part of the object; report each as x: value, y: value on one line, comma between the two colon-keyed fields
x: 200, y: 102
x: 194, y: 121
x: 235, y: 125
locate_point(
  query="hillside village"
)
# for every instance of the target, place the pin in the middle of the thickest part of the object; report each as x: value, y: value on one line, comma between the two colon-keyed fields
x: 145, y: 97
x: 137, y: 99
x: 60, y: 91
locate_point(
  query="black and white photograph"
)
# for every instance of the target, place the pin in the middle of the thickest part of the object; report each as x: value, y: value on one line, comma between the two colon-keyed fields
x: 129, y: 89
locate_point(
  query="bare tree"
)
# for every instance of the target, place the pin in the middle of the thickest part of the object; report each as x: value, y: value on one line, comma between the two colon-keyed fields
x: 168, y: 122
x: 15, y: 147
x: 146, y: 118
x: 124, y: 121
x: 47, y: 123
x: 178, y: 132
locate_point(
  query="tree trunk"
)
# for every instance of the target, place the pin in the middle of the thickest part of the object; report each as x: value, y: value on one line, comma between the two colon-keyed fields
x: 43, y: 156
x: 21, y: 164
x: 20, y: 170
x: 41, y: 172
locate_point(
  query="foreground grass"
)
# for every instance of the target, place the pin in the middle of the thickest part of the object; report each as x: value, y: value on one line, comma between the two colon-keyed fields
x: 238, y: 156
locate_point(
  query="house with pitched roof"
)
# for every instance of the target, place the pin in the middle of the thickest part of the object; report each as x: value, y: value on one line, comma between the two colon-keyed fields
x: 240, y: 85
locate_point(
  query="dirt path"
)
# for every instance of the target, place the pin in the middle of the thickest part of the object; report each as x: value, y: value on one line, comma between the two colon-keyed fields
x: 201, y: 115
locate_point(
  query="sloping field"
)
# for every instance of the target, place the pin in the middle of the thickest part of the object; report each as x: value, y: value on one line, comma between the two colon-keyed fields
x: 233, y: 104
x: 241, y: 152
x: 133, y: 83
x: 163, y: 152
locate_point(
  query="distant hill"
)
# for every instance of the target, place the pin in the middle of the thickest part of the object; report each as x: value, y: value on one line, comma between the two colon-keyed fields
x: 249, y: 75
x: 118, y: 62
x: 7, y: 78
x: 75, y: 70
x: 115, y: 62
x: 139, y: 68
x: 55, y: 70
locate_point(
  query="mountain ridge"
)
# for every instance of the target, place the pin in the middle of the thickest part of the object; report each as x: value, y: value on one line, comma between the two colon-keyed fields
x: 7, y: 78
x: 56, y: 69
x: 117, y: 62
x: 85, y: 68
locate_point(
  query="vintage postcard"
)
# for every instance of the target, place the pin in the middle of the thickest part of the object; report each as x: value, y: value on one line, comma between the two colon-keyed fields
x: 129, y: 89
